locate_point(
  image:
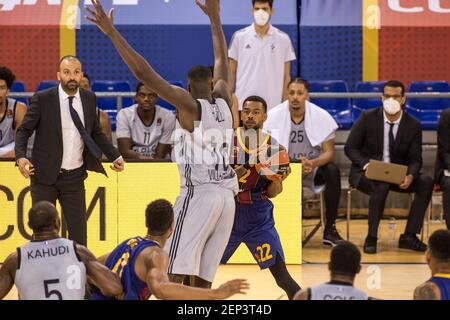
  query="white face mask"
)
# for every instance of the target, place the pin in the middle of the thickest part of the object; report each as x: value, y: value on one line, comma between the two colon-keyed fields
x: 261, y: 17
x: 391, y: 106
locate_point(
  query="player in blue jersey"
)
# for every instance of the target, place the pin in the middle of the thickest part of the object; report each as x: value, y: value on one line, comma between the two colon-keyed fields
x: 141, y: 263
x: 253, y: 223
x: 438, y: 259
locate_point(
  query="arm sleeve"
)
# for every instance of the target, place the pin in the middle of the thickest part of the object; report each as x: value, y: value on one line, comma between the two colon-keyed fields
x: 355, y: 142
x: 26, y: 129
x: 99, y: 137
x: 290, y: 51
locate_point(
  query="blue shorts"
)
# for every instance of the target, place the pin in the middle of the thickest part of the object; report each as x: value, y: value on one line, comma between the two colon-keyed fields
x: 254, y: 225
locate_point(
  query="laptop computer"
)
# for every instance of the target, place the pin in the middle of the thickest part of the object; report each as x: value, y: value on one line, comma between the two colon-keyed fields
x: 387, y: 172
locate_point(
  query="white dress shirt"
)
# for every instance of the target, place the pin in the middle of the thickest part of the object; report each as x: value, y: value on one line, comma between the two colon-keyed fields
x: 73, y: 144
x: 387, y: 127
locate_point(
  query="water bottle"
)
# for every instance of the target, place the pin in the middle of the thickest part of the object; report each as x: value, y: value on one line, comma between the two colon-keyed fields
x: 391, y: 232
x: 436, y: 209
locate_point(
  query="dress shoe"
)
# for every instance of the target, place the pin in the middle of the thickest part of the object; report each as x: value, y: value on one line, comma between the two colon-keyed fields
x: 370, y: 245
x: 411, y: 242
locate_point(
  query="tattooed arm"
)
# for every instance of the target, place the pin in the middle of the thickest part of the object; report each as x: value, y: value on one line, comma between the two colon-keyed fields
x: 427, y: 291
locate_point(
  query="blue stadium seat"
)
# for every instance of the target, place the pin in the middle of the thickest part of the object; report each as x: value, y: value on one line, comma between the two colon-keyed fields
x: 164, y: 103
x: 109, y: 105
x: 340, y: 109
x: 367, y: 103
x: 19, y: 86
x: 46, y: 84
x: 428, y: 110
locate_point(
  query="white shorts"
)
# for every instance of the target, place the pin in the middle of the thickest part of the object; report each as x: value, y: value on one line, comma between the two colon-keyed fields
x: 204, y: 217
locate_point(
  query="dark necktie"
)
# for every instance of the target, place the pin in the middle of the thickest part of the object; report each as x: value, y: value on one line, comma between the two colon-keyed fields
x: 88, y: 141
x: 391, y: 140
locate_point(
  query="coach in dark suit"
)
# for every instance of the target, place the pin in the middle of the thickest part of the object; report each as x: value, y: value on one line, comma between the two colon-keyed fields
x: 391, y: 135
x: 443, y: 164
x: 68, y: 142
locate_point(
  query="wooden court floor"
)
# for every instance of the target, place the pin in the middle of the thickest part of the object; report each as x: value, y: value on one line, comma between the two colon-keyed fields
x: 391, y: 274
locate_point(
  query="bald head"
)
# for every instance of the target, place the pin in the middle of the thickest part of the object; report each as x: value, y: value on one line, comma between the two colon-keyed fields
x: 70, y: 74
x: 43, y: 217
x: 69, y: 58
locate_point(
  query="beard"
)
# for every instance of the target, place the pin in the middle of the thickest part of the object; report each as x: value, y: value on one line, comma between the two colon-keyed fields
x: 70, y: 85
x: 252, y: 126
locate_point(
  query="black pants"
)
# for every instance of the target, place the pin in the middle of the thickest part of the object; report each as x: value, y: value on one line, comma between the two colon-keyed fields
x: 69, y: 190
x: 422, y: 187
x: 330, y: 175
x: 445, y: 186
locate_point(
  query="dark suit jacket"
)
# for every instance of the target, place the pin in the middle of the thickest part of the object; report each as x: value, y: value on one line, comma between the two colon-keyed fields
x: 443, y: 134
x: 365, y: 142
x: 44, y: 116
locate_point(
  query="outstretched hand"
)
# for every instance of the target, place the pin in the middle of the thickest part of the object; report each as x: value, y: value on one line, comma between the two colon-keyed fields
x: 210, y: 7
x: 99, y: 18
x: 231, y: 288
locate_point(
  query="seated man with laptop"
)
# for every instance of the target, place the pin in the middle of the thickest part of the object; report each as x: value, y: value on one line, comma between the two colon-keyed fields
x: 385, y: 148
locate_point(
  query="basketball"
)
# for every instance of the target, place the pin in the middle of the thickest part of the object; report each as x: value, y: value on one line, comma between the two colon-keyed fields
x: 273, y: 162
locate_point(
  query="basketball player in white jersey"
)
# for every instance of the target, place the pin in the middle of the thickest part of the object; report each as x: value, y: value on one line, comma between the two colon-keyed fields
x: 205, y: 207
x: 344, y: 265
x: 144, y: 130
x: 11, y: 113
x: 53, y: 268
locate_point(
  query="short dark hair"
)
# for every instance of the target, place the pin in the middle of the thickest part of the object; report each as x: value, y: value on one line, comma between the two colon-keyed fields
x: 270, y: 2
x: 158, y: 217
x: 439, y: 245
x: 7, y: 75
x: 42, y: 216
x: 200, y: 74
x: 345, y: 259
x: 139, y: 86
x: 256, y: 99
x: 299, y: 81
x: 395, y: 84
x: 69, y: 57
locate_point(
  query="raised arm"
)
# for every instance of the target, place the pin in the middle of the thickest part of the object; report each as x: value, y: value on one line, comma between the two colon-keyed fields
x: 142, y: 70
x: 160, y: 286
x: 221, y: 72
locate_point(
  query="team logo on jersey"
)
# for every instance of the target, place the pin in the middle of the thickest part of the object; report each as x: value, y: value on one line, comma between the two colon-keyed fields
x: 272, y: 47
x: 248, y: 46
x: 158, y: 122
x: 9, y: 114
x: 217, y: 113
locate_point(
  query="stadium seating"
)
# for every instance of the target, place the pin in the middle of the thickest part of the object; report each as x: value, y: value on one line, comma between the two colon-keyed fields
x: 340, y: 109
x: 428, y: 110
x: 109, y: 105
x: 19, y: 86
x: 46, y: 84
x: 164, y: 103
x: 366, y: 103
